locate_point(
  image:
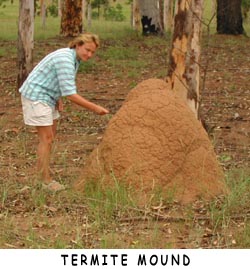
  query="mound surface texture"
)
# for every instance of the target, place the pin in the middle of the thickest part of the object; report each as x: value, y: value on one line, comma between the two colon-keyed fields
x: 154, y: 142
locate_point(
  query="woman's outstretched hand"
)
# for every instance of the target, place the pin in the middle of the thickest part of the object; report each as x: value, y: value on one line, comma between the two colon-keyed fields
x: 101, y: 110
x: 79, y: 100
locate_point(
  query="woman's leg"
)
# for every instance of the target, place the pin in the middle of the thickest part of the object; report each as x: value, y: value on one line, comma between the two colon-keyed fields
x: 46, y: 136
x: 54, y: 128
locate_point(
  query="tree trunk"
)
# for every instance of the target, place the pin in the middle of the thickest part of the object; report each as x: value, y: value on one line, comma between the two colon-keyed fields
x: 229, y: 17
x: 89, y: 14
x: 150, y: 17
x: 168, y: 15
x: 136, y: 15
x: 184, y: 59
x: 71, y: 20
x: 43, y: 12
x: 84, y: 12
x: 161, y: 14
x: 132, y: 14
x: 60, y: 8
x: 25, y: 40
x: 214, y: 6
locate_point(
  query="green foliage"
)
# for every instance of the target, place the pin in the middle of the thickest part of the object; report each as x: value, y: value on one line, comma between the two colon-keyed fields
x: 245, y: 3
x: 96, y: 4
x: 99, y: 3
x: 3, y: 1
x: 53, y: 8
x: 114, y: 13
x: 245, y: 7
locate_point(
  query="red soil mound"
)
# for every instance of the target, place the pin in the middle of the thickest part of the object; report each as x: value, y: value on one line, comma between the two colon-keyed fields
x: 154, y: 143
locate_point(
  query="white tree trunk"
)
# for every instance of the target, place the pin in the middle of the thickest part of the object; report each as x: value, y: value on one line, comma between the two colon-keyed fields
x: 60, y: 8
x: 84, y: 12
x: 43, y: 12
x: 184, y: 71
x: 214, y: 6
x: 25, y: 39
x: 89, y: 14
x: 136, y: 16
x: 193, y: 57
x: 168, y: 15
x: 150, y: 16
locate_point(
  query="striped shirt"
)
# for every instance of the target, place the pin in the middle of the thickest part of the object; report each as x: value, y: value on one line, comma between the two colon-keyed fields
x: 52, y: 78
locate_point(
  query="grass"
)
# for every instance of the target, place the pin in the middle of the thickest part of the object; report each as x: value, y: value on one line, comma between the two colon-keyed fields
x: 108, y: 218
x: 88, y: 67
x: 120, y: 53
x: 9, y: 22
x: 106, y: 29
x: 224, y: 213
x: 106, y: 202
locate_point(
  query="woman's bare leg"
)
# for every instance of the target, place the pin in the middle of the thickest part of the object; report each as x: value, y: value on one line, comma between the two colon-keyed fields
x: 46, y: 137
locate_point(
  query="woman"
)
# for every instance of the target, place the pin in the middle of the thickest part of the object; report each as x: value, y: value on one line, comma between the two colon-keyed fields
x: 51, y: 79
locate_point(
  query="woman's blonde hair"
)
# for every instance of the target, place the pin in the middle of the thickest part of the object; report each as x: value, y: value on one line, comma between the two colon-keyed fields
x: 84, y: 38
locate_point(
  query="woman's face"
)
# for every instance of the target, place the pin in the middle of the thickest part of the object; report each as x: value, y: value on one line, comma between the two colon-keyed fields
x: 85, y: 51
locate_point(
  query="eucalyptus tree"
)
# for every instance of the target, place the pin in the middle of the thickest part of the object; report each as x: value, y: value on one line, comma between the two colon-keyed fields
x: 71, y: 20
x: 135, y: 12
x: 229, y: 17
x: 59, y: 4
x: 25, y: 39
x: 168, y: 14
x: 150, y: 16
x: 84, y: 10
x: 43, y: 5
x: 184, y: 71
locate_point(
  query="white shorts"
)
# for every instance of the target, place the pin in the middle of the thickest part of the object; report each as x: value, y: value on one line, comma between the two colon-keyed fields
x: 37, y: 113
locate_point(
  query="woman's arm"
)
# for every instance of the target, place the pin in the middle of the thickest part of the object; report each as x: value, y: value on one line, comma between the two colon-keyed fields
x: 79, y: 100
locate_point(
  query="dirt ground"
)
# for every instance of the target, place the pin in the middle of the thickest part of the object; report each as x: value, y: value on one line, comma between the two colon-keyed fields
x: 225, y: 107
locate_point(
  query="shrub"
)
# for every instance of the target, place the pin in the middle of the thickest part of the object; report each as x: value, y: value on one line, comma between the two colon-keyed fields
x: 114, y: 13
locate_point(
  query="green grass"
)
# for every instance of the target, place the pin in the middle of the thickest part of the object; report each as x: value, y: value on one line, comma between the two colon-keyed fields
x: 105, y: 202
x: 235, y: 205
x: 9, y: 21
x: 106, y: 29
x: 87, y: 67
x: 109, y: 218
x: 120, y: 53
x: 9, y: 25
x: 3, y: 51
